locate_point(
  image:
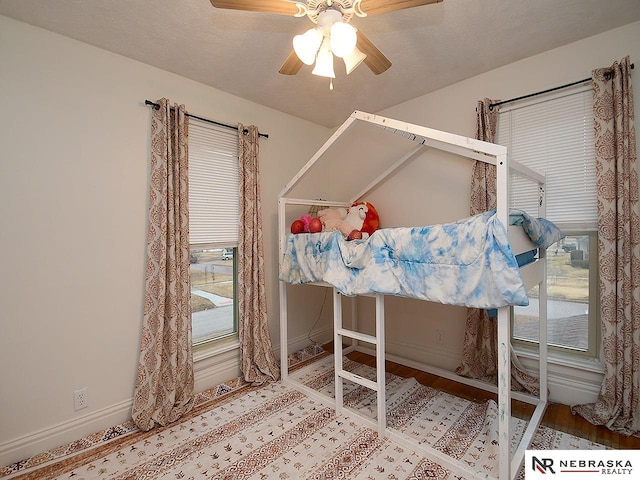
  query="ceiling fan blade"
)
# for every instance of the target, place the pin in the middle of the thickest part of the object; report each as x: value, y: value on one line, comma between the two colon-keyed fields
x: 281, y: 7
x: 375, y: 60
x: 374, y: 7
x: 291, y: 65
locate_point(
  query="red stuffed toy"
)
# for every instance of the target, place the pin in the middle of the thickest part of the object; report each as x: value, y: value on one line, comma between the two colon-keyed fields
x: 370, y: 221
x: 306, y: 224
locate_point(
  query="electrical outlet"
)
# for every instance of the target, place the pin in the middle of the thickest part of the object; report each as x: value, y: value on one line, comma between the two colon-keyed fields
x: 439, y: 337
x: 81, y: 398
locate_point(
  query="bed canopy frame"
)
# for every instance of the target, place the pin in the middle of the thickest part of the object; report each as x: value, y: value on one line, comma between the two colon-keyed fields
x: 388, y: 145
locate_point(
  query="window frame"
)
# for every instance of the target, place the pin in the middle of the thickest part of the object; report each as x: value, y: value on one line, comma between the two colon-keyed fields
x: 224, y: 239
x: 570, y: 228
x: 593, y: 344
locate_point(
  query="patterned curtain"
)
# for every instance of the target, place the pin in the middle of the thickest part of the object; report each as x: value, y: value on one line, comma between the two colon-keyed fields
x: 480, y: 349
x: 483, y: 177
x: 258, y: 363
x: 618, y: 250
x: 164, y: 383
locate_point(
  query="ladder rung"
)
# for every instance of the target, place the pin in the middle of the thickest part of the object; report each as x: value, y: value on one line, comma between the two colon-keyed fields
x: 358, y: 379
x: 358, y: 336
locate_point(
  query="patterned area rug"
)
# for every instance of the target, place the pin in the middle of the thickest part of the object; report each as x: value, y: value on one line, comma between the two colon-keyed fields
x: 275, y: 432
x: 464, y: 430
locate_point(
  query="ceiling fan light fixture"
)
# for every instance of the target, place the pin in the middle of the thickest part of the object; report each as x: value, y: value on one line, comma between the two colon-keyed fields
x: 327, y: 14
x: 306, y: 45
x: 355, y: 58
x: 327, y: 18
x: 324, y: 61
x: 343, y: 39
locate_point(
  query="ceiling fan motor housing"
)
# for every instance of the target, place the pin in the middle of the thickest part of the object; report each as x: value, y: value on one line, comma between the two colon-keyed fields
x: 346, y: 8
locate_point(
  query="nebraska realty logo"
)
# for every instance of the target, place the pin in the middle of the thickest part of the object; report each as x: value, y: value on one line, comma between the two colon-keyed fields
x: 581, y: 464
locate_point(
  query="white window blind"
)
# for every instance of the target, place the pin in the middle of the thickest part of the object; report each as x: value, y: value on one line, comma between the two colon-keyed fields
x: 213, y: 185
x: 555, y: 135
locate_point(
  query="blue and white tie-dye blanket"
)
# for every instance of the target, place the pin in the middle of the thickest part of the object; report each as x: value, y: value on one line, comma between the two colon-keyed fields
x: 468, y: 262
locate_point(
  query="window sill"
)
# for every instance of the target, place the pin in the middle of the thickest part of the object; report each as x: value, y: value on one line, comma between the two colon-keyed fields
x: 215, y: 348
x: 561, y: 359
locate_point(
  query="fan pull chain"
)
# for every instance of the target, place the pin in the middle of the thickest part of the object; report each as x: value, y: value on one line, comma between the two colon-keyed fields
x: 331, y: 84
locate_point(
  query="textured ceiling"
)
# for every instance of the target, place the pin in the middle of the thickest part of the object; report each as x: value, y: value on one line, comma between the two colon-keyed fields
x: 240, y: 52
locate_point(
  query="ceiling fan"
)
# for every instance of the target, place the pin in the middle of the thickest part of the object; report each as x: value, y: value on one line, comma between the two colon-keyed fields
x: 332, y: 35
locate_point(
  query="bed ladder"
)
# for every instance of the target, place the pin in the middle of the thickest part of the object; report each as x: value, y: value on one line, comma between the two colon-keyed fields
x: 339, y: 333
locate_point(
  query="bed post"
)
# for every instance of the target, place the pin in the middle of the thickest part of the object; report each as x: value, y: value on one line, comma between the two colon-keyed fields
x: 543, y: 313
x: 284, y: 348
x: 380, y: 366
x: 504, y: 334
x: 337, y: 350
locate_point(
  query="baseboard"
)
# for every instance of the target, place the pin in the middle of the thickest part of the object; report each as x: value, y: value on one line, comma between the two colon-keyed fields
x: 433, y: 355
x: 65, y: 432
x: 320, y: 336
x: 209, y: 371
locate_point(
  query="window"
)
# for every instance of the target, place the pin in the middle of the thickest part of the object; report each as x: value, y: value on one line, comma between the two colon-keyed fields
x: 213, y: 230
x: 571, y: 297
x: 555, y: 135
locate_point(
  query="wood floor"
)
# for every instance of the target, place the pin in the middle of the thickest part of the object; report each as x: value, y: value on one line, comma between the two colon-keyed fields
x: 557, y: 416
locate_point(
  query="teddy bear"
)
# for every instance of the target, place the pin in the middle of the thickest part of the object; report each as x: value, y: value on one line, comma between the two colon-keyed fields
x: 358, y: 221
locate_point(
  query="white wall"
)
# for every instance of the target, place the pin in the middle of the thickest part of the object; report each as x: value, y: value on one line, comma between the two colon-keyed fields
x: 73, y: 197
x: 446, y: 189
x: 73, y: 189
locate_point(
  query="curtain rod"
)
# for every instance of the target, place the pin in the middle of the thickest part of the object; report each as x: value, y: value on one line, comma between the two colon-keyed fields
x: 156, y: 106
x: 497, y: 104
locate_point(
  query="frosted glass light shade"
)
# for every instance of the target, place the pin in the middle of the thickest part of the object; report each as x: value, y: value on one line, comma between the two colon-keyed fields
x: 355, y: 58
x: 343, y: 39
x: 306, y: 45
x: 324, y: 61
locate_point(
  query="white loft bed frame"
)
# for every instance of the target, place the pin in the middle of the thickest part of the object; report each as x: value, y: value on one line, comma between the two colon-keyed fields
x: 533, y: 274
